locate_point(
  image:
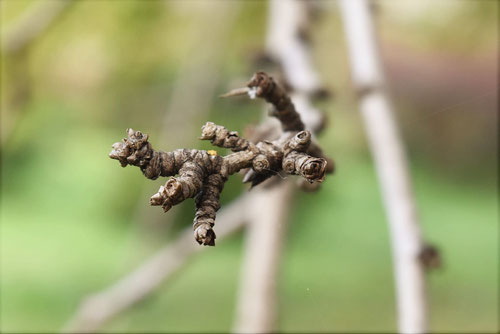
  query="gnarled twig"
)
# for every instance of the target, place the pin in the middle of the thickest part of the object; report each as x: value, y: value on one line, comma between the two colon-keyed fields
x: 203, y: 174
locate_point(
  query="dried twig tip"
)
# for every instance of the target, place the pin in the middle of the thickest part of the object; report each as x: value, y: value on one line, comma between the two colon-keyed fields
x: 236, y: 92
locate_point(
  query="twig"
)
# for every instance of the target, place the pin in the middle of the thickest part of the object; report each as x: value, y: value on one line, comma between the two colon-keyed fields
x: 289, y: 22
x: 391, y: 164
x: 203, y: 173
x: 135, y: 137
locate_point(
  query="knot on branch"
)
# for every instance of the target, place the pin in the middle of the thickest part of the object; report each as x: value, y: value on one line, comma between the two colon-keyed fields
x: 311, y: 168
x: 261, y: 164
x: 300, y: 142
x: 133, y: 150
x: 430, y: 257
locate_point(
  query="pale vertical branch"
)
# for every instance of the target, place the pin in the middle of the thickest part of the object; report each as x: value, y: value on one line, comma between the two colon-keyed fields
x: 257, y: 302
x: 288, y: 23
x: 256, y: 310
x: 391, y: 164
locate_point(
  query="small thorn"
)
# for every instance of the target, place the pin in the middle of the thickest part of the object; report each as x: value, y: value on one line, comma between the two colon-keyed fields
x: 249, y: 176
x: 236, y: 92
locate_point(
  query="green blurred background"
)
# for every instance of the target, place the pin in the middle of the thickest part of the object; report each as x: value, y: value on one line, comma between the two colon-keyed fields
x: 73, y: 221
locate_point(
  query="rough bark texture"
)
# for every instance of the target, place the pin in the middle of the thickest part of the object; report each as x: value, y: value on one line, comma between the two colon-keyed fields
x: 202, y: 174
x: 283, y: 108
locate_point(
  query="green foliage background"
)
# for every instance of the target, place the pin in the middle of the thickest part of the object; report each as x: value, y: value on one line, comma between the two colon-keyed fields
x: 67, y: 211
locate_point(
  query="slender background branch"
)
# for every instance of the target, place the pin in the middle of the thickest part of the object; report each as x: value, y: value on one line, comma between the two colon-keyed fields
x: 391, y: 164
x: 97, y: 309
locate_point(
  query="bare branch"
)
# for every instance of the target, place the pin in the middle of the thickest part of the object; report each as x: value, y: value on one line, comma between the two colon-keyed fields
x: 99, y: 308
x: 197, y: 167
x: 391, y: 164
x: 257, y: 306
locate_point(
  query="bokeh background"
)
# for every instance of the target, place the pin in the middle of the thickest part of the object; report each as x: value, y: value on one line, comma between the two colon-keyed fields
x: 73, y: 221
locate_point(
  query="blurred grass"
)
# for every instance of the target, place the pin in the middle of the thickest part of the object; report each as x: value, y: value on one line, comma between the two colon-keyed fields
x: 66, y: 209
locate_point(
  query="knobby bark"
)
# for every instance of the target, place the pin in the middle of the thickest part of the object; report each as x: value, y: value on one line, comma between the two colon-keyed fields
x: 202, y: 174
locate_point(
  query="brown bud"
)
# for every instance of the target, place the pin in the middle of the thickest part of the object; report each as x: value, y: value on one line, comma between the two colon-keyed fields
x: 430, y: 257
x: 204, y: 235
x: 120, y: 152
x: 301, y: 141
x: 288, y: 166
x: 173, y: 188
x: 260, y: 163
x: 208, y: 131
x: 158, y: 198
x: 314, y: 169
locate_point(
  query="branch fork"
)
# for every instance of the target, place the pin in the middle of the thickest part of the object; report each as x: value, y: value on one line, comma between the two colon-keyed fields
x: 201, y: 174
